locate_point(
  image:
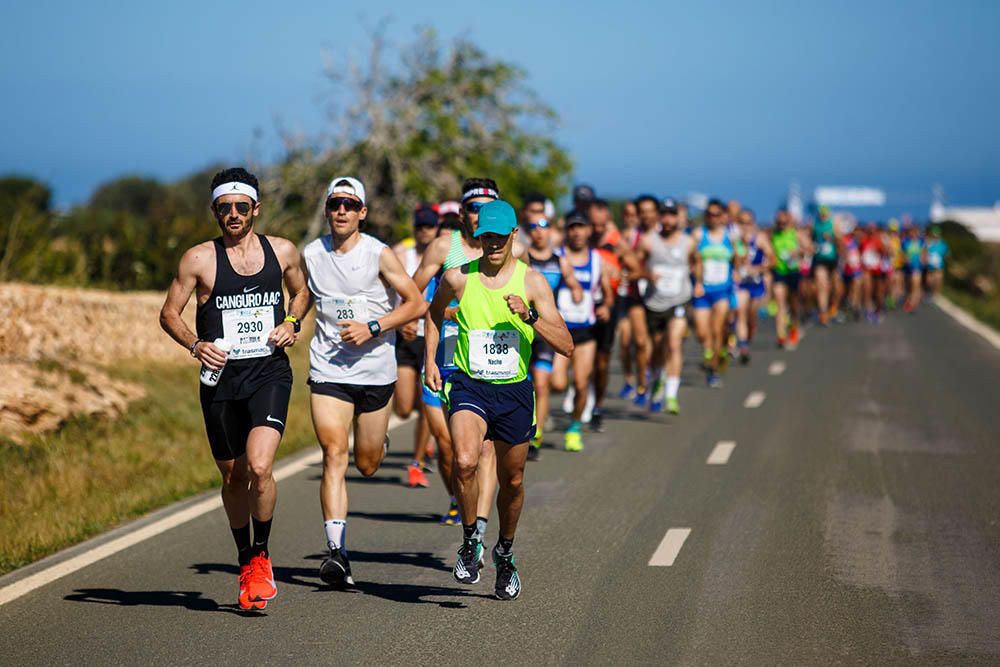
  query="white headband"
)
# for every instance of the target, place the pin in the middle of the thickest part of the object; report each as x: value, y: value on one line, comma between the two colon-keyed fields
x: 234, y: 188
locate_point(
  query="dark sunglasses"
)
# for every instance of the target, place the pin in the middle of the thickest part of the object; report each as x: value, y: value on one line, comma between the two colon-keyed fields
x: 334, y: 204
x: 242, y: 208
x: 539, y: 225
x: 474, y: 206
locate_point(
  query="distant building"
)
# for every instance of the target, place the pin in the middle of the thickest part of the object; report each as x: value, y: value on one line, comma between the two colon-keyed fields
x: 983, y: 221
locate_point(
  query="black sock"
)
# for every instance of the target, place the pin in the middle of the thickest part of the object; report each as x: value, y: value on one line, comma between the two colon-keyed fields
x: 261, y: 531
x: 242, y: 538
x: 504, y: 545
x: 470, y: 531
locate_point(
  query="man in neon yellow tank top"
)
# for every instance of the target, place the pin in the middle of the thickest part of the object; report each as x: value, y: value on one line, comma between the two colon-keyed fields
x: 502, y: 305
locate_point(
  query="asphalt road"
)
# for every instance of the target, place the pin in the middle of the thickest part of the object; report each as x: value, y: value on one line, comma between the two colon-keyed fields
x: 857, y: 520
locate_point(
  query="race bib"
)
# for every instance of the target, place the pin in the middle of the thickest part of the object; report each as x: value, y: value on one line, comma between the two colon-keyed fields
x: 577, y: 313
x: 870, y: 258
x: 716, y: 272
x: 449, y: 340
x: 826, y: 249
x: 340, y: 307
x: 934, y: 261
x: 494, y: 355
x: 670, y: 279
x: 246, y: 329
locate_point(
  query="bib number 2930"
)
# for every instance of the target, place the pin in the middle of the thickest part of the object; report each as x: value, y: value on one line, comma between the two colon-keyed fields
x: 494, y: 355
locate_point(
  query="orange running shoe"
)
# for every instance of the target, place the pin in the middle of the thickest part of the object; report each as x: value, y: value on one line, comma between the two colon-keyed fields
x: 246, y: 576
x: 262, y: 585
x: 793, y: 336
x: 417, y: 476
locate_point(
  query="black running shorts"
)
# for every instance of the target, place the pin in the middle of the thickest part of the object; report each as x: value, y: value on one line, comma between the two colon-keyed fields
x: 228, y: 423
x: 410, y: 352
x: 364, y: 397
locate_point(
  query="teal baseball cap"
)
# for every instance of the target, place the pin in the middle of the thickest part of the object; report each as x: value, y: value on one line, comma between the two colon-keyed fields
x: 496, y: 217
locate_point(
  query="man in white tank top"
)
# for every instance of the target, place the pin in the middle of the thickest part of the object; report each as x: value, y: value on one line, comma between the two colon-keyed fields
x: 353, y: 280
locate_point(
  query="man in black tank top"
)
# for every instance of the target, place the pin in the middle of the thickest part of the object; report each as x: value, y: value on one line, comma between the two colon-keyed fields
x: 238, y: 282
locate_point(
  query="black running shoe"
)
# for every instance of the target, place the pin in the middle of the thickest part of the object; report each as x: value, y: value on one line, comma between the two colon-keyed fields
x: 336, y: 571
x: 534, y: 453
x: 597, y: 421
x: 508, y: 585
x: 470, y: 559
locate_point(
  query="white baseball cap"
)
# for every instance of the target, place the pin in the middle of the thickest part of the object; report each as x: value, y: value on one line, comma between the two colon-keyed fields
x: 347, y: 185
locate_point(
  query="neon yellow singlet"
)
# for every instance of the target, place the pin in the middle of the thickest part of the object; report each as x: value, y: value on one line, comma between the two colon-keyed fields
x: 494, y: 344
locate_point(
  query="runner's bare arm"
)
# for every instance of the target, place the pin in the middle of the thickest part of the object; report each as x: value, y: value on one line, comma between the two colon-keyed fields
x: 696, y: 270
x: 192, y: 265
x: 550, y: 325
x: 293, y: 273
x: 764, y: 243
x: 413, y: 305
x: 432, y: 261
x: 569, y: 277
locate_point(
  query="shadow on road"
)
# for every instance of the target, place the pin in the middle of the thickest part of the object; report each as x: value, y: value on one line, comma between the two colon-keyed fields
x: 191, y: 600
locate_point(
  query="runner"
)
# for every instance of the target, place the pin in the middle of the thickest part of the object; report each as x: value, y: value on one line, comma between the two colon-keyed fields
x: 237, y: 279
x: 713, y: 278
x: 502, y: 305
x: 937, y: 251
x: 916, y: 257
x: 410, y: 350
x: 648, y: 207
x: 556, y: 270
x: 668, y: 256
x: 826, y: 241
x: 580, y: 315
x: 896, y: 283
x: 786, y: 276
x: 457, y: 248
x: 852, y: 270
x: 873, y: 258
x: 353, y: 280
x: 758, y: 259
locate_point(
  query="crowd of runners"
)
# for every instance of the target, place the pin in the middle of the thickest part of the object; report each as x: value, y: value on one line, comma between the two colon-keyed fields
x: 477, y: 319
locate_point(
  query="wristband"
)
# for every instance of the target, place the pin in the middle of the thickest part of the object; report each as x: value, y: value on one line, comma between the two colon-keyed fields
x: 192, y: 346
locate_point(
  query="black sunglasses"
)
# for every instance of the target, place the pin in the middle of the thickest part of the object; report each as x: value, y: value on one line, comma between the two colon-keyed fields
x: 242, y: 207
x: 474, y: 206
x: 334, y: 204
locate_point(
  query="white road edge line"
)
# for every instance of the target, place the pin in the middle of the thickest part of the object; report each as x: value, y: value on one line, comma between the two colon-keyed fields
x: 776, y: 368
x: 754, y: 399
x: 666, y: 553
x: 967, y: 320
x: 721, y: 453
x: 48, y: 575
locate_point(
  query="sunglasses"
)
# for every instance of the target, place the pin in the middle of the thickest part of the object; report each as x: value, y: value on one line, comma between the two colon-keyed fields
x: 474, y: 206
x: 334, y: 204
x: 539, y: 225
x: 242, y: 207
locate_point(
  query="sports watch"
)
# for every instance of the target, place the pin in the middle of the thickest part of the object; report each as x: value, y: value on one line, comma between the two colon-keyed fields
x: 532, y: 316
x: 296, y: 324
x: 375, y: 328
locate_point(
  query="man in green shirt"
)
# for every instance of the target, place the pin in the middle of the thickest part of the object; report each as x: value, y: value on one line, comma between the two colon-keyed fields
x: 502, y: 305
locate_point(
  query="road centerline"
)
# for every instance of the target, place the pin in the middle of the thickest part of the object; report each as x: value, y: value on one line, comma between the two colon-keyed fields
x: 669, y: 548
x: 754, y: 399
x: 776, y: 368
x: 721, y: 453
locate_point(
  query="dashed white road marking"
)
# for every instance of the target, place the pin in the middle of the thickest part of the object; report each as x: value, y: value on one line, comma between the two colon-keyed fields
x: 754, y: 399
x: 776, y: 368
x: 101, y: 551
x: 666, y: 553
x: 721, y: 453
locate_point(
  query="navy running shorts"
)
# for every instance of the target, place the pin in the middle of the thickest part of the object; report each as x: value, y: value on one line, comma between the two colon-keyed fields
x: 507, y: 409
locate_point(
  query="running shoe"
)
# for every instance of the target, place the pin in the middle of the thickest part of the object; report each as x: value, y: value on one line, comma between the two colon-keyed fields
x: 574, y: 441
x: 416, y: 476
x: 452, y: 516
x: 640, y: 398
x: 713, y: 380
x: 744, y: 356
x: 781, y: 343
x: 794, y: 335
x: 469, y: 561
x: 656, y: 406
x: 262, y: 586
x: 627, y: 392
x: 597, y: 421
x: 245, y: 579
x: 673, y: 407
x: 534, y: 453
x: 508, y: 585
x: 335, y: 570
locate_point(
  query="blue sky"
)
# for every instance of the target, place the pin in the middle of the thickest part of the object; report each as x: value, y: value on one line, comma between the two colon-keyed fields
x: 730, y: 98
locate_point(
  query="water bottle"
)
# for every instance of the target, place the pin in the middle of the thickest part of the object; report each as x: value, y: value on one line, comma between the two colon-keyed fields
x: 210, y: 378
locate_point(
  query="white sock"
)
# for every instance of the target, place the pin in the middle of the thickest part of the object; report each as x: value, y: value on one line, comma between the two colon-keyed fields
x: 673, y: 384
x: 588, y: 409
x: 334, y: 529
x: 568, y: 400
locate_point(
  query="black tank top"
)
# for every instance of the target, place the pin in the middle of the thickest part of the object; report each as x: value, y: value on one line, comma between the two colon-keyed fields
x: 243, y: 309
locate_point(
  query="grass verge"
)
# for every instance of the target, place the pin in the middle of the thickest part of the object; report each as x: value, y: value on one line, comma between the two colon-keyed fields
x: 62, y: 487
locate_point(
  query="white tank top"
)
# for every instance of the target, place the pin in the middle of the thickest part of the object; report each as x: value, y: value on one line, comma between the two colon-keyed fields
x: 348, y: 287
x: 411, y: 262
